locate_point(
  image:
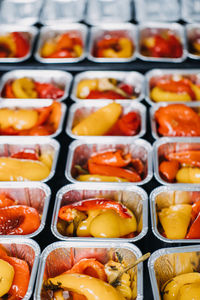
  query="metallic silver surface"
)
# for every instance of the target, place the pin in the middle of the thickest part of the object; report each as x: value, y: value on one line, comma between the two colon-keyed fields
x: 81, y: 150
x: 64, y: 247
x: 84, y: 108
x: 47, y: 32
x: 27, y: 250
x: 33, y: 104
x: 133, y: 197
x: 100, y: 31
x: 60, y: 78
x: 32, y: 194
x: 167, y: 190
x: 147, y: 29
x: 135, y: 79
x: 16, y: 143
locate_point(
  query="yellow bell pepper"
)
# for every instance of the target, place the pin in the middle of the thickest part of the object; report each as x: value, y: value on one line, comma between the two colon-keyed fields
x: 24, y: 88
x: 18, y: 119
x: 48, y: 48
x: 189, y: 291
x: 126, y: 51
x: 172, y: 288
x: 109, y: 224
x: 12, y: 169
x: 175, y: 220
x: 106, y: 224
x: 99, y: 122
x: 9, y: 41
x: 188, y: 175
x: 92, y: 288
x: 158, y: 95
x: 85, y: 86
x: 100, y: 178
x: 6, y: 277
x: 78, y: 50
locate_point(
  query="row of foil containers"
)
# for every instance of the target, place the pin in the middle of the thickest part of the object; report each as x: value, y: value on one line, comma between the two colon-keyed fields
x: 142, y: 86
x: 133, y: 32
x: 97, y: 11
x: 56, y: 258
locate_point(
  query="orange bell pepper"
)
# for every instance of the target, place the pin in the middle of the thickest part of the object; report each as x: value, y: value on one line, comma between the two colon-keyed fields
x: 177, y: 120
x: 188, y: 157
x: 194, y: 231
x: 111, y: 158
x: 179, y: 86
x: 168, y: 170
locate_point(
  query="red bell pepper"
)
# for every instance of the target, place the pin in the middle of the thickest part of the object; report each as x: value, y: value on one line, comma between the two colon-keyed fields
x: 194, y: 231
x: 128, y: 89
x: 43, y: 113
x: 113, y: 171
x: 111, y: 158
x: 48, y: 90
x: 26, y: 154
x: 65, y: 212
x: 94, y: 94
x: 8, y: 92
x: 179, y: 86
x: 195, y: 210
x: 22, y: 45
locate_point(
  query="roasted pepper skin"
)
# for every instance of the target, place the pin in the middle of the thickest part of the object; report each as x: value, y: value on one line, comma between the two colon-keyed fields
x: 111, y: 158
x: 177, y: 120
x: 18, y: 219
x: 90, y: 267
x: 65, y: 212
x: 190, y: 157
x: 169, y: 169
x: 113, y: 171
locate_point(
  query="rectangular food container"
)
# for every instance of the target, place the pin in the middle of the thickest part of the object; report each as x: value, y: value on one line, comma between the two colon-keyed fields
x: 62, y: 11
x: 153, y: 109
x: 162, y: 196
x: 133, y: 78
x: 145, y: 30
x: 32, y: 194
x: 166, y: 263
x: 165, y: 146
x: 34, y: 104
x: 60, y: 78
x: 31, y: 32
x: 167, y: 72
x: 81, y: 110
x: 21, y: 11
x: 11, y: 145
x: 135, y: 198
x: 101, y: 11
x: 190, y: 10
x: 81, y: 150
x: 192, y: 32
x: 27, y: 250
x: 57, y: 253
x: 100, y: 31
x: 158, y: 10
x: 48, y: 32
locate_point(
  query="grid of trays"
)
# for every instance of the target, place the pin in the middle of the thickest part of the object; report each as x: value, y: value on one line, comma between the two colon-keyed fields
x: 62, y: 155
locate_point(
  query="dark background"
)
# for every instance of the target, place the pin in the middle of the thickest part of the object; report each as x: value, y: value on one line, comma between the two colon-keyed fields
x: 149, y: 243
